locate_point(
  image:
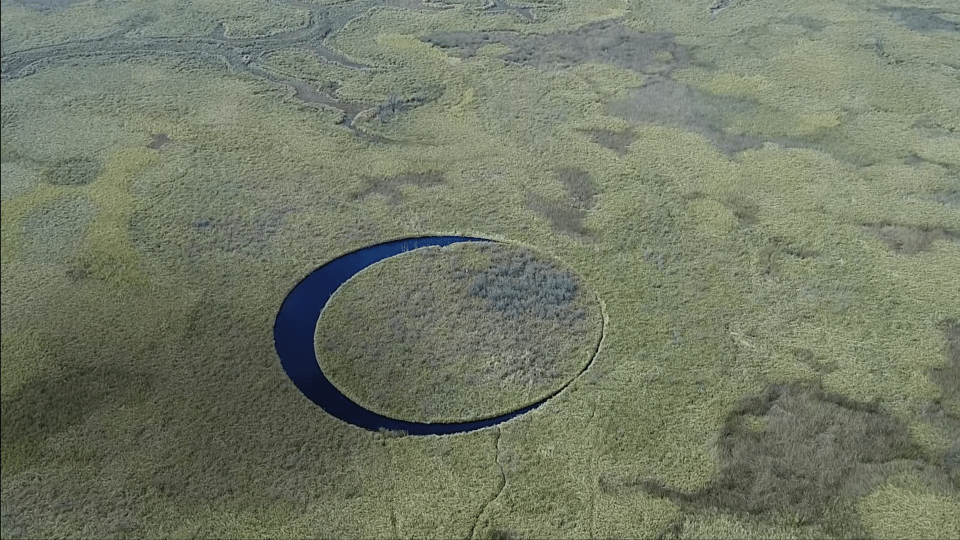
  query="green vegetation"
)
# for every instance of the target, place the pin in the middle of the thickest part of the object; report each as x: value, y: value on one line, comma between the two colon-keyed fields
x: 765, y: 206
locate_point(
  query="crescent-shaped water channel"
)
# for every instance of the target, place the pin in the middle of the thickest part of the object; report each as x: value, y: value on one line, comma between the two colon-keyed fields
x: 295, y: 327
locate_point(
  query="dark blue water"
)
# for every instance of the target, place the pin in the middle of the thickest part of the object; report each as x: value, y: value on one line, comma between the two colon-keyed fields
x: 293, y: 335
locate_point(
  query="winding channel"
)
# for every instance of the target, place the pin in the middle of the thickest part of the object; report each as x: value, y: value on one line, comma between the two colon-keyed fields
x: 248, y: 55
x: 295, y: 327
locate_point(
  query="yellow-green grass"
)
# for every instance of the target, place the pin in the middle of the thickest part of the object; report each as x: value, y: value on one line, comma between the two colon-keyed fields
x: 784, y: 285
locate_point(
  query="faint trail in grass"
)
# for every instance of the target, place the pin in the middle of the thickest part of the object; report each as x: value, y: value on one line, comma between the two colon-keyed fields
x: 503, y: 484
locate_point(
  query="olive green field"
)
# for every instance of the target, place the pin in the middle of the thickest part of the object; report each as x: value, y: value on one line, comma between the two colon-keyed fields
x: 724, y: 247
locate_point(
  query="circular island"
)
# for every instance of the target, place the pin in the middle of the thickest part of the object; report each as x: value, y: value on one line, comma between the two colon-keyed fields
x: 436, y: 335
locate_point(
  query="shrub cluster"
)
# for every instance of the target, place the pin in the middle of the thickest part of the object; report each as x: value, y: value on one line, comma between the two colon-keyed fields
x: 394, y: 104
x: 520, y: 286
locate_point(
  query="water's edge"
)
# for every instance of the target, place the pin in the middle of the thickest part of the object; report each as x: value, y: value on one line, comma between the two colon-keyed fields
x: 295, y: 328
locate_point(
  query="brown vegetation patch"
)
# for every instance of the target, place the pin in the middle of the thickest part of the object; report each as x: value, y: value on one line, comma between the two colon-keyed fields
x: 497, y: 7
x: 601, y: 42
x: 949, y: 198
x: 247, y: 235
x: 46, y: 5
x: 948, y: 378
x: 618, y: 141
x: 745, y: 210
x: 579, y: 185
x: 908, y: 239
x: 45, y: 407
x: 944, y: 411
x: 770, y: 255
x: 808, y: 357
x: 390, y: 186
x: 158, y: 141
x: 567, y: 215
x: 803, y: 456
x: 397, y: 103
x: 665, y: 102
x: 78, y: 171
x: 923, y: 19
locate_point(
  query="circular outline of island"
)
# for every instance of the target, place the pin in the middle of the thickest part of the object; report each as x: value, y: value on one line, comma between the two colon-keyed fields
x: 294, y: 339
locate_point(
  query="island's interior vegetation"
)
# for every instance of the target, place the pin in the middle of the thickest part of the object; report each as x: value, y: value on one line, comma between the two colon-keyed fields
x: 459, y: 333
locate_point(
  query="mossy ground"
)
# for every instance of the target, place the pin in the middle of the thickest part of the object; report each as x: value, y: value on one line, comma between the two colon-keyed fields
x: 765, y: 204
